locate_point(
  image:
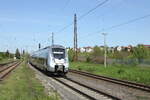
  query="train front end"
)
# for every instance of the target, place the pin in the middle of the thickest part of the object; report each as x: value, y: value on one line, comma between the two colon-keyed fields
x: 59, y: 60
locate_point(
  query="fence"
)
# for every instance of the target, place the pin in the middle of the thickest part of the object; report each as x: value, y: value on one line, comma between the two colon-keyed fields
x: 129, y: 61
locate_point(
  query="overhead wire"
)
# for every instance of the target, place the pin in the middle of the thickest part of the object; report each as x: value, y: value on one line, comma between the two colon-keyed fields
x: 66, y: 4
x: 91, y: 10
x: 82, y: 16
x: 119, y: 25
x: 128, y: 22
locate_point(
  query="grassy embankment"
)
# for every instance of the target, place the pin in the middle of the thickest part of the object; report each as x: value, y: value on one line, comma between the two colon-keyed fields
x: 22, y: 85
x: 5, y: 60
x: 131, y: 73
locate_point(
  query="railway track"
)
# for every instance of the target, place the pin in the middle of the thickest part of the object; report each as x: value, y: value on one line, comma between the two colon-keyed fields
x: 80, y: 88
x: 3, y: 64
x: 85, y: 90
x: 7, y: 68
x: 113, y: 80
x: 93, y: 91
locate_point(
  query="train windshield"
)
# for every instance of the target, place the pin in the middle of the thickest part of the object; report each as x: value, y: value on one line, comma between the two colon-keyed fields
x: 58, y: 53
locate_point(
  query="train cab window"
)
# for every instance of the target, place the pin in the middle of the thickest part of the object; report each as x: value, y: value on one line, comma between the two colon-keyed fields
x: 59, y: 56
x: 58, y: 53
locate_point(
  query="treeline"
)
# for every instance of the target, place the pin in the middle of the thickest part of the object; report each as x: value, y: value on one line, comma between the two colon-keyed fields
x: 138, y: 53
x: 8, y: 55
x: 5, y: 55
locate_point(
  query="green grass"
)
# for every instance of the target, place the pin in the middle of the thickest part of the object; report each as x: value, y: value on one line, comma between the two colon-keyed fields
x: 131, y: 73
x: 6, y: 60
x: 22, y: 85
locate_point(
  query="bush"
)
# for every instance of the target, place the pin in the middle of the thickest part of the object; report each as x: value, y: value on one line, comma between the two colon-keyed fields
x: 120, y: 55
x: 97, y: 51
x: 88, y: 59
x: 0, y: 58
x: 2, y: 55
x: 70, y: 55
x: 140, y: 52
x: 120, y: 71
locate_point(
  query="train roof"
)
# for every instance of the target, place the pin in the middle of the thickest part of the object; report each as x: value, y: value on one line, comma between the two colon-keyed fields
x: 55, y: 46
x: 48, y: 47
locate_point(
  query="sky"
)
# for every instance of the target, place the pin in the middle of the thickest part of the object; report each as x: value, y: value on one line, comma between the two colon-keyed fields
x: 25, y: 23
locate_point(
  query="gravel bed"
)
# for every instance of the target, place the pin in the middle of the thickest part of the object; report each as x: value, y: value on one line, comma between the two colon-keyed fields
x: 52, y: 85
x: 123, y: 92
x: 93, y: 94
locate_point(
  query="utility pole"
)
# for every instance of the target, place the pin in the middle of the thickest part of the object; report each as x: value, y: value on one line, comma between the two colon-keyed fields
x: 75, y: 39
x: 52, y: 38
x: 105, y: 50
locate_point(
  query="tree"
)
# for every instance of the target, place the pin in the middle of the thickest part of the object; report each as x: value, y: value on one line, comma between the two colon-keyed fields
x: 121, y: 54
x: 97, y: 52
x: 17, y: 54
x: 23, y: 52
x: 140, y: 52
x: 7, y: 53
x: 70, y: 54
x: 97, y: 55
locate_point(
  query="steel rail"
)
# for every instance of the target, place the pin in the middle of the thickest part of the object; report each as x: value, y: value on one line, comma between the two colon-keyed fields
x: 79, y: 91
x: 113, y: 80
x: 3, y: 64
x: 7, y: 70
x: 74, y: 89
x: 95, y: 90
